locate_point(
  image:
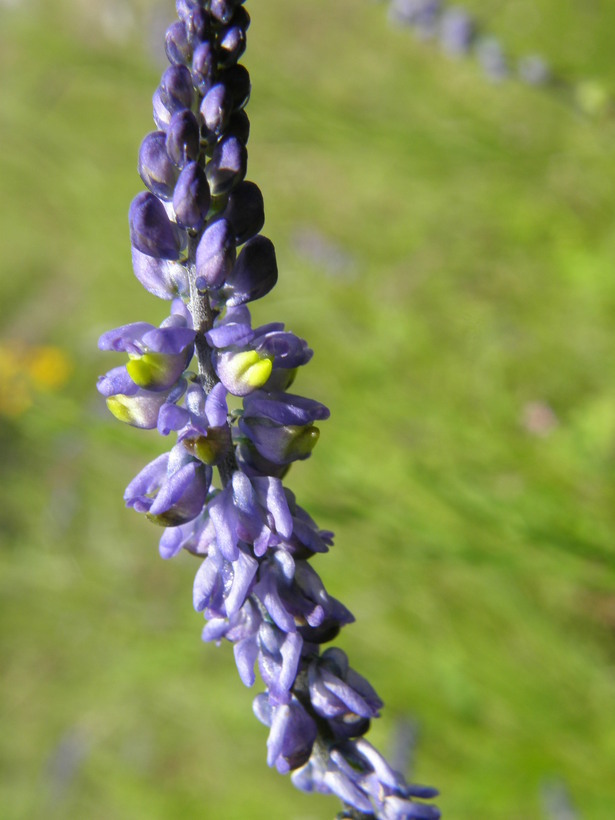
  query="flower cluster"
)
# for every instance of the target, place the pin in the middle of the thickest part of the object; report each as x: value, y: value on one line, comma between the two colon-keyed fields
x: 457, y: 32
x: 196, y: 242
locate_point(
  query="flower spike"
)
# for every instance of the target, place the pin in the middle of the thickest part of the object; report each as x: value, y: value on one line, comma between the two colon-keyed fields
x: 221, y: 386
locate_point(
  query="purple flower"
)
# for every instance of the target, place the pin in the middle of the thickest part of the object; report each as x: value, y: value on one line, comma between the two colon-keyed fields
x: 151, y: 230
x: 221, y: 586
x: 355, y: 772
x: 215, y: 255
x: 157, y: 356
x: 292, y: 734
x: 245, y: 209
x: 227, y: 166
x: 156, y: 167
x: 340, y: 695
x: 171, y: 490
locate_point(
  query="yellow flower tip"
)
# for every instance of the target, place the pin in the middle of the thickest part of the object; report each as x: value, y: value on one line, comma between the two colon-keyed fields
x: 252, y: 368
x: 120, y: 407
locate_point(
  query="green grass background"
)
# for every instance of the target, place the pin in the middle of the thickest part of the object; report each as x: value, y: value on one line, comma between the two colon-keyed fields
x: 477, y: 556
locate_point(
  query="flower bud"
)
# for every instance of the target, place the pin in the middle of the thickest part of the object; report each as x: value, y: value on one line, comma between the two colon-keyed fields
x: 204, y: 64
x: 198, y: 26
x: 216, y: 109
x: 223, y: 10
x: 254, y: 274
x: 185, y: 8
x: 245, y: 211
x: 237, y: 80
x: 232, y: 43
x: 183, y: 140
x: 176, y: 89
x: 151, y: 230
x: 155, y: 167
x: 239, y: 126
x: 179, y: 50
x: 215, y: 255
x: 191, y: 197
x: 227, y: 166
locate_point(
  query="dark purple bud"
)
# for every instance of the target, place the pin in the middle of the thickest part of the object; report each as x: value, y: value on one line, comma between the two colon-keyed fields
x: 204, y: 64
x: 151, y: 230
x: 179, y: 50
x: 227, y: 166
x: 155, y: 168
x: 216, y: 110
x: 239, y: 126
x: 255, y: 272
x: 191, y: 197
x: 223, y: 10
x: 241, y: 18
x: 237, y: 80
x: 215, y: 255
x: 183, y: 141
x: 185, y: 8
x: 176, y: 89
x: 232, y: 44
x: 198, y: 26
x: 245, y: 211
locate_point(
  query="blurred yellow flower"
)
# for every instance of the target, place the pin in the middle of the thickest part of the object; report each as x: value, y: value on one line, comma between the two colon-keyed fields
x: 48, y: 367
x: 24, y: 370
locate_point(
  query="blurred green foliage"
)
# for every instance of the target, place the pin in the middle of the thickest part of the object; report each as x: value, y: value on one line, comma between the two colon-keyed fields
x: 447, y: 247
